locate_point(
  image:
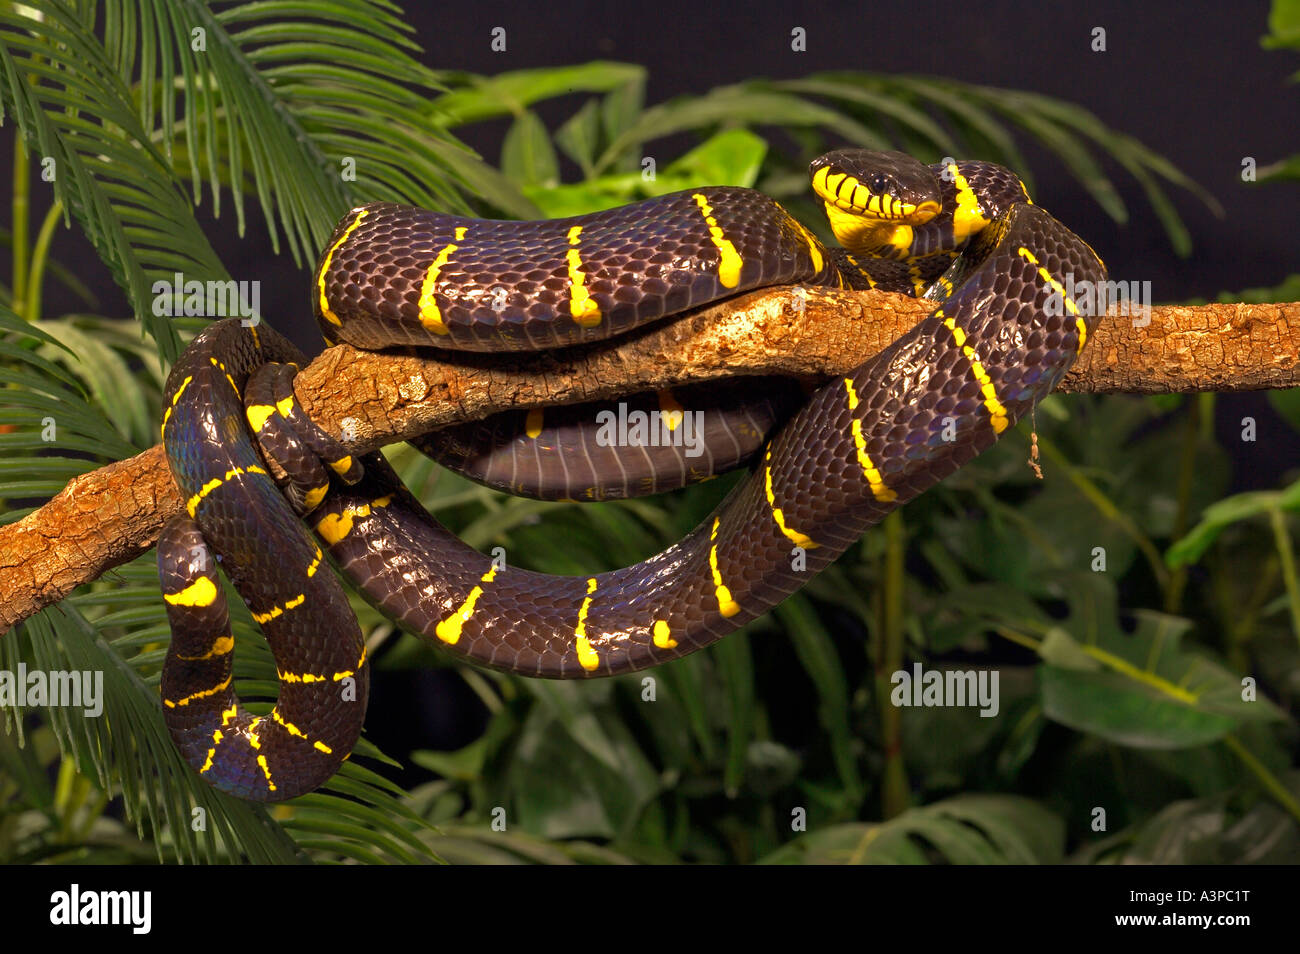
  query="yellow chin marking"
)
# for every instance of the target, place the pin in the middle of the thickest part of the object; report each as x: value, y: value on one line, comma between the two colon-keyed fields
x: 729, y: 260
x: 863, y: 234
x: 325, y: 309
x: 857, y: 233
x: 901, y: 237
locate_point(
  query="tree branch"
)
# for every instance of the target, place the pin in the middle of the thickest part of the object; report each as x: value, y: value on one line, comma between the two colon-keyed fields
x: 111, y: 515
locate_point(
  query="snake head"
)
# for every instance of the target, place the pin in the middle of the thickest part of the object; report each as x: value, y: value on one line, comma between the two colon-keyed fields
x: 882, y: 186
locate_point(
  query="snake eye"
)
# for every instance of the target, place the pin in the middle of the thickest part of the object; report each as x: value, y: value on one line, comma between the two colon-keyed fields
x: 877, y: 184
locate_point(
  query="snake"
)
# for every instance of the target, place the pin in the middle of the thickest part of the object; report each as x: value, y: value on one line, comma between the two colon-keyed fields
x: 273, y: 501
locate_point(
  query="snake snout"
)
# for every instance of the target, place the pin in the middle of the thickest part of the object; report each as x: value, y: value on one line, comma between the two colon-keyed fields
x: 888, y: 186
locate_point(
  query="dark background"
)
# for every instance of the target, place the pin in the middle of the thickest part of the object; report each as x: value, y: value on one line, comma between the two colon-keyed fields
x: 1188, y: 79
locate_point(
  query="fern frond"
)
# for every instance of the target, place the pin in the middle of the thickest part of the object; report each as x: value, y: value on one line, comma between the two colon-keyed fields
x: 75, y: 112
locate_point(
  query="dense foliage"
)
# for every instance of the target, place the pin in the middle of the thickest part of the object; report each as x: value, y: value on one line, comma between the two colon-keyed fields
x: 1121, y: 686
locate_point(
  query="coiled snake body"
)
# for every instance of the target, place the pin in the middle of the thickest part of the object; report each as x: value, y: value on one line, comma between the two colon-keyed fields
x: 1000, y: 337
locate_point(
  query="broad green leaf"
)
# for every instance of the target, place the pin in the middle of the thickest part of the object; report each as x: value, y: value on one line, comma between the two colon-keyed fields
x: 730, y: 157
x: 968, y: 829
x: 1217, y: 517
x: 579, y: 136
x: 528, y: 157
x: 512, y: 92
x: 1127, y: 712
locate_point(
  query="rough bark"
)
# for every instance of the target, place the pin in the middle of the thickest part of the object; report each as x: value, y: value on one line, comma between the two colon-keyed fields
x: 111, y: 515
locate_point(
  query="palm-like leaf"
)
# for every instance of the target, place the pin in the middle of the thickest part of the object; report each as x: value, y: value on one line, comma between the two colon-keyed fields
x: 118, y: 627
x: 285, y: 98
x: 75, y: 110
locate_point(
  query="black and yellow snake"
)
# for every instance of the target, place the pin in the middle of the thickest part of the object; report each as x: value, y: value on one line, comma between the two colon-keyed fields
x: 823, y: 468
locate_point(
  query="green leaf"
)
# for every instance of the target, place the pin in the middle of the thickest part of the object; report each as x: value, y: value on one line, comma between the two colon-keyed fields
x: 730, y: 157
x: 512, y: 92
x: 579, y: 136
x: 736, y: 105
x: 1122, y: 711
x: 1219, y: 516
x: 1284, y: 170
x: 528, y: 158
x: 817, y: 655
x: 111, y: 381
x: 968, y: 829
x: 583, y: 773
x: 1283, y: 25
x: 1287, y: 404
x: 736, y: 667
x: 1059, y: 649
x: 864, y: 90
x: 618, y: 112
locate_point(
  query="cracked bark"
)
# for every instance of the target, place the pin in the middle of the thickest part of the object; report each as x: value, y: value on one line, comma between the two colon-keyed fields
x: 111, y: 515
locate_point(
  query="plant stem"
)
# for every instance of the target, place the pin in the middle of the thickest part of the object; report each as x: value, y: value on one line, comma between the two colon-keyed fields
x: 1265, y: 777
x: 1205, y: 403
x: 1284, y: 552
x: 894, y: 794
x: 41, y: 255
x: 21, y: 188
x: 1186, y: 468
x: 1097, y: 497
